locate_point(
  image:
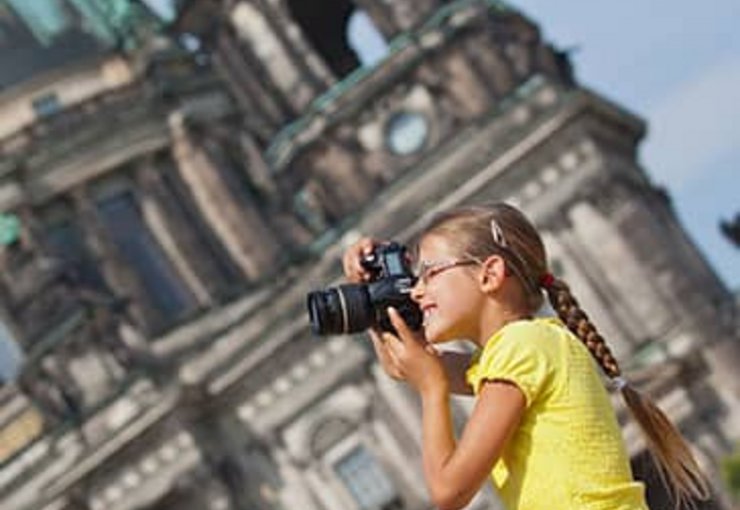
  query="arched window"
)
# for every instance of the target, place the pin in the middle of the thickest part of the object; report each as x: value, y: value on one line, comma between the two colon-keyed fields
x: 367, y: 481
x: 65, y: 241
x: 365, y: 39
x: 344, y: 36
x: 126, y: 227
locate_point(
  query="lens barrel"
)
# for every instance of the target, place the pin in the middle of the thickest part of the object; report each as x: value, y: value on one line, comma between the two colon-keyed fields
x: 340, y: 310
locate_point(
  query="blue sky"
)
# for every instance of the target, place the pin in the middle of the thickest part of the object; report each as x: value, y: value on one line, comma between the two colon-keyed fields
x: 677, y: 65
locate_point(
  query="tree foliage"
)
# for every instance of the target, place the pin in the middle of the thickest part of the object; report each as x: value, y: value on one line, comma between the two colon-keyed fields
x: 731, y: 473
x: 731, y: 230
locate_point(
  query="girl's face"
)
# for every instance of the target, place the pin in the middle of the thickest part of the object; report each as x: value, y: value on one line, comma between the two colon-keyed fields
x: 447, y: 292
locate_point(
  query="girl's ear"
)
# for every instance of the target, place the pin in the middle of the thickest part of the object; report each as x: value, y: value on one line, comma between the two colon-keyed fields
x: 493, y: 273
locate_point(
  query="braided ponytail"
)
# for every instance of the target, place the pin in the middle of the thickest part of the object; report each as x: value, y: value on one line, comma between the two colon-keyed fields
x: 675, y: 463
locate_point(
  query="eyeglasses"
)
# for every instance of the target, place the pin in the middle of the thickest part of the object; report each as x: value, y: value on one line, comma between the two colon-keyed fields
x: 428, y: 270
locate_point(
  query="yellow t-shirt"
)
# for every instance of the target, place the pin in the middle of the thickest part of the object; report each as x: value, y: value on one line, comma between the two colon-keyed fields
x: 567, y: 452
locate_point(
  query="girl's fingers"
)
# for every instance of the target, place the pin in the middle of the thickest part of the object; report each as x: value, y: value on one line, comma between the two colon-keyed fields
x: 380, y: 348
x: 367, y: 245
x: 404, y: 332
x: 393, y: 346
x: 398, y: 323
x: 353, y: 256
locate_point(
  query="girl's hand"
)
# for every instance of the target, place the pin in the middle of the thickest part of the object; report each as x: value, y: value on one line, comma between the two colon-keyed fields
x: 411, y: 358
x: 352, y: 259
x: 384, y: 356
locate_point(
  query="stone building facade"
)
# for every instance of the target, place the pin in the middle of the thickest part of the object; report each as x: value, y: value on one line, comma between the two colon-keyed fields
x: 176, y: 205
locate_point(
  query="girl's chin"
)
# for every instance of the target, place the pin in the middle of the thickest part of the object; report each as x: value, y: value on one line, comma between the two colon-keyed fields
x: 434, y: 336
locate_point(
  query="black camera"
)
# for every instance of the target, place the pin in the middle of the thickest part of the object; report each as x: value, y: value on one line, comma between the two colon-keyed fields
x: 354, y: 307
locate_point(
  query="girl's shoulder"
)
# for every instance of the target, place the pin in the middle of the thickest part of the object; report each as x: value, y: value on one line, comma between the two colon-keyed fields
x: 544, y: 341
x: 542, y: 338
x: 539, y: 333
x: 527, y: 352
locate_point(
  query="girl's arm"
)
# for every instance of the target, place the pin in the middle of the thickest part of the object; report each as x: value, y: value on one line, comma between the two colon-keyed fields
x: 454, y: 471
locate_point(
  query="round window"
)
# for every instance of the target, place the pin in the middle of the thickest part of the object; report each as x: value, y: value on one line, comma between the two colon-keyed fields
x: 406, y: 133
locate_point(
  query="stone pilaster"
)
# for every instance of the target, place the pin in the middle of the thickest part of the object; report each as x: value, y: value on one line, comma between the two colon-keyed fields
x: 251, y: 160
x: 406, y: 468
x: 242, y: 69
x: 238, y: 225
x: 381, y: 13
x: 492, y: 64
x: 316, y: 73
x: 400, y: 402
x: 280, y: 71
x: 411, y: 13
x: 584, y: 275
x: 170, y: 230
x: 257, y: 169
x: 243, y: 467
x: 621, y: 271
x: 344, y: 186
x: 296, y: 493
x: 465, y: 88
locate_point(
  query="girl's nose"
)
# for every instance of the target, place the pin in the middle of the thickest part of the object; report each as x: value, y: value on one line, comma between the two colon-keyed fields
x: 417, y: 291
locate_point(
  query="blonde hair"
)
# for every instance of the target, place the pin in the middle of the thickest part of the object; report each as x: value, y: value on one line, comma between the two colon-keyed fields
x: 479, y: 232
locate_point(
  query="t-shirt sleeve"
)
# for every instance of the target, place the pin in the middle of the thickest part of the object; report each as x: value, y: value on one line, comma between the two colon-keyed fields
x: 516, y: 357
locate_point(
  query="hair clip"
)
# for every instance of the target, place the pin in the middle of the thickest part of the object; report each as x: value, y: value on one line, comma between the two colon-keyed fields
x: 498, y: 233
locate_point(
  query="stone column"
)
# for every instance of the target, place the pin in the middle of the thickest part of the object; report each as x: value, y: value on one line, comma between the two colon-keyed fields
x: 410, y: 13
x: 248, y: 468
x: 170, y: 230
x: 284, y: 76
x: 296, y: 493
x: 340, y: 177
x: 223, y: 455
x: 277, y: 204
x: 77, y: 499
x: 381, y: 14
x: 585, y: 278
x: 463, y: 85
x: 619, y: 269
x: 315, y: 73
x: 491, y: 64
x: 400, y: 402
x: 520, y: 39
x: 328, y: 497
x: 239, y: 226
x: 238, y: 67
x: 405, y: 468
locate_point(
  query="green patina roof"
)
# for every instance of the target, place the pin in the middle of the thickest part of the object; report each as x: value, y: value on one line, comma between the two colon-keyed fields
x: 10, y: 229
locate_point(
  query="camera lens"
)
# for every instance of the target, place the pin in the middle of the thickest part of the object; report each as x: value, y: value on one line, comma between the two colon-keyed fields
x: 341, y: 309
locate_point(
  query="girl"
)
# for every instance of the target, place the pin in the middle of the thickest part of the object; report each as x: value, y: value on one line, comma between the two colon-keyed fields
x: 543, y: 426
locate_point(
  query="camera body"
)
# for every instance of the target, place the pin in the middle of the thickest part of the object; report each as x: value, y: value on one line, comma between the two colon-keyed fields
x: 354, y: 307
